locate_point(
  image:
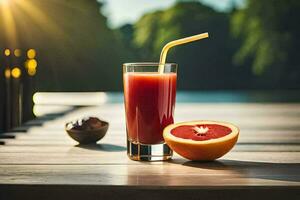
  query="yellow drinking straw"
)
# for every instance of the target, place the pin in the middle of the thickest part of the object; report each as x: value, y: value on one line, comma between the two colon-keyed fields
x: 171, y: 44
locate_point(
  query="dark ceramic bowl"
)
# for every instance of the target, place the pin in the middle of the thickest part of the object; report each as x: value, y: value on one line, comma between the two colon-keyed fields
x: 88, y: 136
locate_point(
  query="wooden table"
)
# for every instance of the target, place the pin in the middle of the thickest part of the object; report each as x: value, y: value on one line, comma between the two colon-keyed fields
x: 44, y: 163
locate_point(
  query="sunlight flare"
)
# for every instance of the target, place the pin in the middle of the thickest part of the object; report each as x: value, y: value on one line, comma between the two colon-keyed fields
x: 4, y: 2
x: 13, y: 10
x: 41, y: 19
x: 8, y: 22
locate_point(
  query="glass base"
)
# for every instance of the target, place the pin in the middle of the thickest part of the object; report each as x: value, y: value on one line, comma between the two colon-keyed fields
x: 143, y: 152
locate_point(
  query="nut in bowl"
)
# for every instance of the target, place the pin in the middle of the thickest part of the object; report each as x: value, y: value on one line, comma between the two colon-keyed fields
x: 87, y: 130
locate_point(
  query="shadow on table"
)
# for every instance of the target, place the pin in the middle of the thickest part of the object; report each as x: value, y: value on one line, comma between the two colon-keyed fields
x: 262, y: 170
x: 102, y: 147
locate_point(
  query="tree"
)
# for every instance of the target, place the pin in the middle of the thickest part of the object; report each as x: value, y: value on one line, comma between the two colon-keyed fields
x: 75, y: 48
x: 269, y: 32
x: 202, y: 65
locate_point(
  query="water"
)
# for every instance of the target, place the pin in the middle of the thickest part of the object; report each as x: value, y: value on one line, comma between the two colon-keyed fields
x: 289, y: 96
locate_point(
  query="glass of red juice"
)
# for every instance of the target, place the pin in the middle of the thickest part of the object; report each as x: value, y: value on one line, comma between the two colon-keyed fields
x: 149, y: 95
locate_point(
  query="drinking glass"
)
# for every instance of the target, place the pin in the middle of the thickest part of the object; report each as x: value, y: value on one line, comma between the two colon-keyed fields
x: 149, y: 95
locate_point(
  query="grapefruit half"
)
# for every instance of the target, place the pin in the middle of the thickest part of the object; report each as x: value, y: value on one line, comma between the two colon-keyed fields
x: 201, y: 140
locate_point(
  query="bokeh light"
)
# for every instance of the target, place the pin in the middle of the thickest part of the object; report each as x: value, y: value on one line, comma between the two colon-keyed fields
x: 31, y: 71
x: 31, y: 66
x: 17, y: 52
x: 16, y: 72
x: 32, y: 63
x: 7, y: 52
x: 7, y: 73
x: 31, y: 53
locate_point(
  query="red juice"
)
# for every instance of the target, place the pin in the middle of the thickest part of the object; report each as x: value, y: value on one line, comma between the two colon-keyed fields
x: 149, y: 105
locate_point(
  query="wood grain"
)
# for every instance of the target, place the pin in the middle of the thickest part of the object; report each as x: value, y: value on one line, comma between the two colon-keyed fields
x: 265, y: 161
x: 108, y: 155
x: 222, y: 173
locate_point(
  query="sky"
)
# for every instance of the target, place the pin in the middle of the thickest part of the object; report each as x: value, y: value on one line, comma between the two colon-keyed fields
x: 120, y: 12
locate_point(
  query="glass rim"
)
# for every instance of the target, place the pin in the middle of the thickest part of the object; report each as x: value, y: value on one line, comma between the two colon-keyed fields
x: 150, y: 64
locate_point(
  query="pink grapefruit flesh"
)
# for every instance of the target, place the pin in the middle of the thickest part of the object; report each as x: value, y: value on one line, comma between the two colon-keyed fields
x: 189, y: 132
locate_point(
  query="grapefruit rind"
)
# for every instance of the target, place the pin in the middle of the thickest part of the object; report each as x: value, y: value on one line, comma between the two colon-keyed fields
x: 201, y: 150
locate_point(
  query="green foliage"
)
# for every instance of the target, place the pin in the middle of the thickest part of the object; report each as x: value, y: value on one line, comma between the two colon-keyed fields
x: 269, y: 31
x: 154, y: 30
x: 76, y: 49
x: 202, y: 65
x: 256, y: 47
x: 145, y: 34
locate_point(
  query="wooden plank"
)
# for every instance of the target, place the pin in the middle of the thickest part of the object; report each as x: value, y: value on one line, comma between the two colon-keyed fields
x: 222, y: 173
x: 50, y: 138
x: 282, y: 124
x: 267, y: 154
x: 111, y: 133
x: 113, y: 147
x: 112, y: 156
x: 94, y: 192
x: 245, y: 137
x: 259, y: 123
x: 251, y: 147
x: 269, y: 144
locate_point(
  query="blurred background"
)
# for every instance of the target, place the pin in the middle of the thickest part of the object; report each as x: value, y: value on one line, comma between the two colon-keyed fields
x: 80, y: 45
